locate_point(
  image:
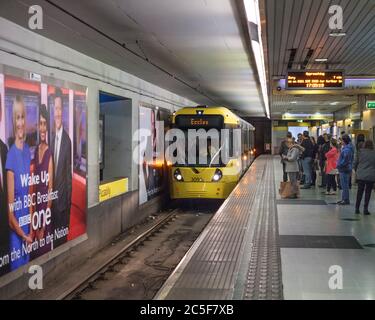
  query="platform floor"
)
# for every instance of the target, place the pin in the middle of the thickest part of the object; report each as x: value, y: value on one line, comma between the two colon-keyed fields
x: 261, y: 247
x: 342, y: 239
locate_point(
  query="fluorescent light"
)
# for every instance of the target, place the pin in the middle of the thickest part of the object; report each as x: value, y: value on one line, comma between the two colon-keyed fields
x: 334, y: 103
x: 321, y: 60
x: 252, y: 11
x: 337, y: 34
x: 294, y: 102
x: 253, y: 15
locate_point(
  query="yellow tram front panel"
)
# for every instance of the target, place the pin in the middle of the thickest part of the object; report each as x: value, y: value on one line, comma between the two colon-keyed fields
x: 198, y: 182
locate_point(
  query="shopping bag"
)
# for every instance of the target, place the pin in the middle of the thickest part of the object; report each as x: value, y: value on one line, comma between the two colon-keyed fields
x: 282, y: 187
x: 286, y: 189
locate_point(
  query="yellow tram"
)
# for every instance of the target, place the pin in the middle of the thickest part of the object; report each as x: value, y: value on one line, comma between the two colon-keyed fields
x: 218, y: 149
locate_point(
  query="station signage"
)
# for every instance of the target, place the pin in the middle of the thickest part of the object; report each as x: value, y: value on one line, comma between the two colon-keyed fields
x: 315, y: 80
x: 370, y: 104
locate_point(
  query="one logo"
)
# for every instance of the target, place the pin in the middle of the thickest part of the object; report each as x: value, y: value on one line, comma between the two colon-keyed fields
x: 196, y: 179
x: 336, y: 280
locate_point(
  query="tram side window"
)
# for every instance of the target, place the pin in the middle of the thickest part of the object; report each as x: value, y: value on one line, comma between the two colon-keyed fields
x: 231, y: 152
x: 115, y: 123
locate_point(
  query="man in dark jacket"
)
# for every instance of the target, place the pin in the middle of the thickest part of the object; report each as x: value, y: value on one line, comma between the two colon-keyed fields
x: 62, y: 155
x: 283, y: 151
x: 345, y: 167
x: 324, y: 148
x: 307, y: 158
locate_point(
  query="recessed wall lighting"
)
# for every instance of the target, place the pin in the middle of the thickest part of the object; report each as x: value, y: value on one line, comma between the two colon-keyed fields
x: 337, y: 34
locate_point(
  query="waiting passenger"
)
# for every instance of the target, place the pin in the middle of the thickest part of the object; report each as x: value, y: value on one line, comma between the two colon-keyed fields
x: 324, y: 148
x: 307, y: 158
x: 315, y: 166
x: 359, y: 145
x: 331, y: 168
x: 283, y: 151
x: 299, y: 138
x: 291, y: 165
x: 345, y: 167
x: 365, y: 169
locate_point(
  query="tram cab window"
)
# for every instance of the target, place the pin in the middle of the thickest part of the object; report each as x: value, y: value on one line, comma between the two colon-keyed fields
x: 115, y: 141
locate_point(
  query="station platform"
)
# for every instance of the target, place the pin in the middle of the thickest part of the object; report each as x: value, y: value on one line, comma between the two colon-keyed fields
x: 258, y: 246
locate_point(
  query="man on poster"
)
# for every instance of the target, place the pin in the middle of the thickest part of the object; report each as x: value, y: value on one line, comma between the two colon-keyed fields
x: 4, y: 224
x: 62, y: 156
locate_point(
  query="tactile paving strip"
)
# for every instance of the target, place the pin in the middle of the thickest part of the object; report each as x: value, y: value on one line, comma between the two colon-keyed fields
x: 216, y: 266
x: 264, y: 279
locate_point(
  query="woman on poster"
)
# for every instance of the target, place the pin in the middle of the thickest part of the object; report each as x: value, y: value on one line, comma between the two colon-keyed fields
x: 17, y: 165
x: 43, y: 167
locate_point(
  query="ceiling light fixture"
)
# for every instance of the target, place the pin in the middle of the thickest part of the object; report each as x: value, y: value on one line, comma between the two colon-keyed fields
x: 321, y: 60
x: 334, y: 103
x: 293, y: 102
x: 337, y: 34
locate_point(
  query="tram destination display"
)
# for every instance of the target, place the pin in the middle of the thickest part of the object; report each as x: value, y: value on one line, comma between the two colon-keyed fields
x: 199, y: 121
x: 315, y: 80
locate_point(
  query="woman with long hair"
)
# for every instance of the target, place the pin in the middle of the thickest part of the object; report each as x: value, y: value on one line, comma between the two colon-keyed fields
x: 43, y: 167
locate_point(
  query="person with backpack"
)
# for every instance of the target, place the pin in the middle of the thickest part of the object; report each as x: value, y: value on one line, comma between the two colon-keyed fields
x: 345, y: 167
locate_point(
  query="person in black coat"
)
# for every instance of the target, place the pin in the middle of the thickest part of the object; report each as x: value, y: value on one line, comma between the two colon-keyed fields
x: 61, y: 147
x: 365, y: 168
x: 4, y: 224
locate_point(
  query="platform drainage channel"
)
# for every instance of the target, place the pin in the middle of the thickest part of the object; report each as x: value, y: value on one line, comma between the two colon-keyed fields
x: 301, y: 202
x: 319, y: 242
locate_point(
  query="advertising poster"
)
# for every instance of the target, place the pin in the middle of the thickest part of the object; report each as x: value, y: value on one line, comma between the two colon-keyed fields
x: 42, y: 165
x: 151, y: 171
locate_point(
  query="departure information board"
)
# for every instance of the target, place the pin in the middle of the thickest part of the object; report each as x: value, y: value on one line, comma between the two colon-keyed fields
x: 315, y: 80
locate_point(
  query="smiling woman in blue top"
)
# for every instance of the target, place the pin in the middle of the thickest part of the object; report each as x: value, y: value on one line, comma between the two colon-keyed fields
x: 345, y: 167
x: 18, y: 165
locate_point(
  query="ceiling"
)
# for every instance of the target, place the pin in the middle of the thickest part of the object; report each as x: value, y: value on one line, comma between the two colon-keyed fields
x: 203, y: 43
x: 303, y: 25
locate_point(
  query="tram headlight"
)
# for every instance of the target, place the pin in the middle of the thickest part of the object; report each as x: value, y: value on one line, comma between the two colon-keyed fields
x: 217, y: 176
x: 177, y: 175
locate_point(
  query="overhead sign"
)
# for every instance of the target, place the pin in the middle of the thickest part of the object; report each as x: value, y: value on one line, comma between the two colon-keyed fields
x: 315, y: 80
x: 370, y: 104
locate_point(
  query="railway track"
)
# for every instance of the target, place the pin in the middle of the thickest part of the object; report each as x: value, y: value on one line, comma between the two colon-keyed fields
x: 140, y: 268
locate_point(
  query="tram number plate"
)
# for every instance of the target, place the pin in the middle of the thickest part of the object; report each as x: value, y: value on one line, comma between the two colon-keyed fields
x: 197, y: 179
